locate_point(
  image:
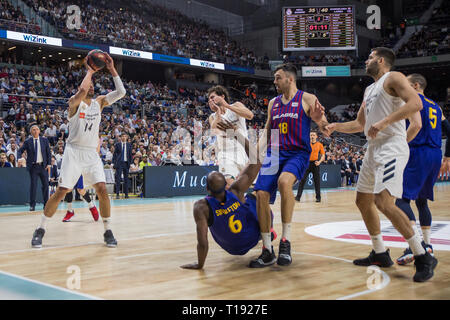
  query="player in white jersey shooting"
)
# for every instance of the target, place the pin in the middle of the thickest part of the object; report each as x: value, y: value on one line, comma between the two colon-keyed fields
x: 230, y: 154
x: 387, y: 102
x: 80, y: 155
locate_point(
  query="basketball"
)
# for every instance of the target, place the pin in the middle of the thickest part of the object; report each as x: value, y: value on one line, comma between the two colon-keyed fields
x: 96, y: 59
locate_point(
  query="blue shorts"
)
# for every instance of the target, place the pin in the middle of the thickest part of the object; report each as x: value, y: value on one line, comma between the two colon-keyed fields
x: 295, y: 162
x: 421, y: 173
x: 79, y: 184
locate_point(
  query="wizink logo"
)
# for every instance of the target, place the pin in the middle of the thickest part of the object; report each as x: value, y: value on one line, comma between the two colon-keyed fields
x: 314, y: 71
x: 130, y: 53
x: 207, y: 64
x: 35, y: 39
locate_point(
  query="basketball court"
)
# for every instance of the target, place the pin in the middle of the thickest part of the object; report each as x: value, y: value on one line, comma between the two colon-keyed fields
x: 156, y: 236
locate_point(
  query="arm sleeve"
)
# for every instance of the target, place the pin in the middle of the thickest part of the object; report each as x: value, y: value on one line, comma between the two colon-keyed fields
x: 446, y: 130
x: 117, y: 94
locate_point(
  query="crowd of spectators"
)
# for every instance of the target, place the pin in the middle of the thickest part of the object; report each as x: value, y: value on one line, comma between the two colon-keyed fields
x: 432, y: 39
x: 145, y: 26
x: 13, y: 19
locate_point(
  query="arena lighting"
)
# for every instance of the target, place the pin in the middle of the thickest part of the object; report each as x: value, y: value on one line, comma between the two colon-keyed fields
x: 12, y: 48
x: 59, y: 52
x: 63, y: 59
x: 50, y: 56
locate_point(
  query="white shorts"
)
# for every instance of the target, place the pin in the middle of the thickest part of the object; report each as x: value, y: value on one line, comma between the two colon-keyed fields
x: 383, y: 166
x: 78, y: 161
x: 231, y: 165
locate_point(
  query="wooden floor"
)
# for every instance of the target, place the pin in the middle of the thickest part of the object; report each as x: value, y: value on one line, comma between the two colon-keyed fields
x: 156, y: 237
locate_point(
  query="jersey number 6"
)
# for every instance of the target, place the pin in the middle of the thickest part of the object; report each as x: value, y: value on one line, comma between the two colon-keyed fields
x: 234, y: 225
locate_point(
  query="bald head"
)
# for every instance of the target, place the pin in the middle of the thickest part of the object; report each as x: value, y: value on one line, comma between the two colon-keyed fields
x: 215, y: 182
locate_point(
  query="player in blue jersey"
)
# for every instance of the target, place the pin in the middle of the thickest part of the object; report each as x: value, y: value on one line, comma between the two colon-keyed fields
x: 86, y: 196
x: 288, y: 128
x: 423, y: 166
x: 230, y: 214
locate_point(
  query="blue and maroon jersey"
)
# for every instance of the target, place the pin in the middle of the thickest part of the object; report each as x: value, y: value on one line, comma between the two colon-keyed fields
x: 233, y: 224
x: 292, y: 123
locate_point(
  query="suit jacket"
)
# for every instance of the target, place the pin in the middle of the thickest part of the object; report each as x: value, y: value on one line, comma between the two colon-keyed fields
x: 118, y: 152
x: 28, y: 145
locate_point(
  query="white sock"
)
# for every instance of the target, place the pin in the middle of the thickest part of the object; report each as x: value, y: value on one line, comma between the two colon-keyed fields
x: 416, y: 230
x: 69, y: 206
x: 44, y: 220
x: 267, y: 240
x: 378, y: 243
x: 415, y: 245
x: 286, y: 231
x: 426, y: 235
x: 91, y: 204
x: 106, y: 222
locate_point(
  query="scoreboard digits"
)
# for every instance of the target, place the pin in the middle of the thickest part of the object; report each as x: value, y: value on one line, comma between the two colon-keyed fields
x: 318, y: 28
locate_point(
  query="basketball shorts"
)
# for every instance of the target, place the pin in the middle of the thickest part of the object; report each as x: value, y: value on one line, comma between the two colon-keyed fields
x: 79, y: 161
x: 421, y: 173
x: 230, y: 165
x: 79, y: 184
x: 295, y: 162
x: 383, y: 166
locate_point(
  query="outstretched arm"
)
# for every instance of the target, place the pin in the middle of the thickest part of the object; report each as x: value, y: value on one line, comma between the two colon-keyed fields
x: 75, y: 100
x: 315, y: 111
x: 238, y: 107
x: 120, y: 91
x: 354, y: 126
x: 201, y: 213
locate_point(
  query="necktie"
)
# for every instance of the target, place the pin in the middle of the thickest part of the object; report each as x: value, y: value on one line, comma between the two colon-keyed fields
x: 35, y: 150
x: 123, y: 151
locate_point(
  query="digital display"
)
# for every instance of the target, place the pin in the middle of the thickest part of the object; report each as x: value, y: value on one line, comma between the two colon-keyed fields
x: 318, y: 28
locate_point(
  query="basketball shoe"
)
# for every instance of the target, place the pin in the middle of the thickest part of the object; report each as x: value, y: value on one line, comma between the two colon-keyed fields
x: 109, y: 239
x: 68, y: 216
x: 378, y: 259
x: 266, y: 258
x: 284, y: 253
x: 425, y: 264
x: 408, y: 256
x: 94, y: 212
x: 38, y: 234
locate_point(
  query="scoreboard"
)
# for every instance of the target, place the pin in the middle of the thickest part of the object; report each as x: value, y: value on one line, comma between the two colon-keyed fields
x: 319, y: 28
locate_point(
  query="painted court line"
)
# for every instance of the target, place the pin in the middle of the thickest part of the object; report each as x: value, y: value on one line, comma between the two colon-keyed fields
x: 29, y: 287
x: 386, y: 278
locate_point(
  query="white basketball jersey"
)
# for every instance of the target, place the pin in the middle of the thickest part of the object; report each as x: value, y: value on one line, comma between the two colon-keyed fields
x: 231, y: 145
x: 380, y: 104
x: 85, y: 125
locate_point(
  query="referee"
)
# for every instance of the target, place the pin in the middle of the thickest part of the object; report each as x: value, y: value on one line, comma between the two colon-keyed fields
x: 314, y: 164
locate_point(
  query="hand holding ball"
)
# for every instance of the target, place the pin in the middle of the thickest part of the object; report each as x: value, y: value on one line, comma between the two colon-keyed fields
x: 96, y: 59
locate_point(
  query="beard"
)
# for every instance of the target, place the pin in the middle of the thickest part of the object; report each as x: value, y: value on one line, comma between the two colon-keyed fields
x: 372, y: 69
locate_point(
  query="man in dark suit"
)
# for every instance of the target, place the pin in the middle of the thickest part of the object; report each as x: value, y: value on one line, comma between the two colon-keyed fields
x: 122, y: 159
x: 38, y: 163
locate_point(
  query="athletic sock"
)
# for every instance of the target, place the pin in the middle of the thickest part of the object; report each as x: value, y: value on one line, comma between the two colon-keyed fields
x: 426, y: 235
x: 69, y: 206
x: 286, y: 234
x: 378, y: 243
x: 107, y: 221
x: 267, y: 240
x: 44, y: 220
x: 416, y: 230
x: 415, y: 245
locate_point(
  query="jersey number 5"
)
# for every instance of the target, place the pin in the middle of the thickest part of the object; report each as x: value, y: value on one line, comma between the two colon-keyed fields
x: 234, y: 225
x: 433, y: 117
